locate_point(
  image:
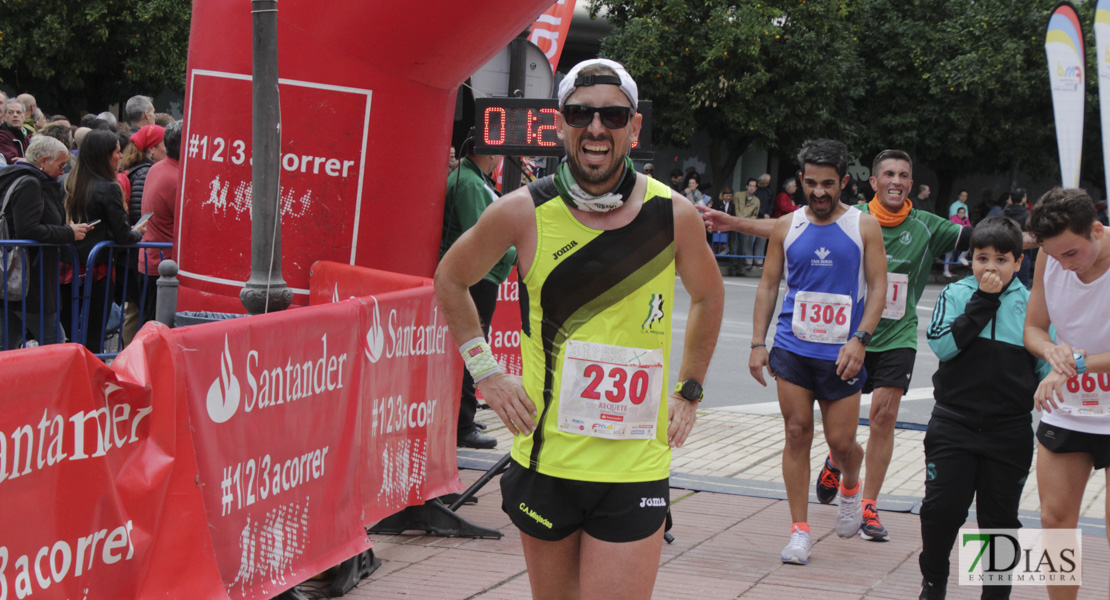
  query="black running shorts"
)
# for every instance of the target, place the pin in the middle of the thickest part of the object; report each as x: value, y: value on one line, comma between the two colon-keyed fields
x: 550, y: 508
x: 1062, y: 441
x: 815, y: 374
x: 893, y: 368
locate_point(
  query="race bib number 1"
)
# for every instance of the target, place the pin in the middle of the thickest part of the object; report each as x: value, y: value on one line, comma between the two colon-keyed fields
x: 822, y: 318
x: 1087, y: 394
x: 610, y: 392
x: 897, y: 292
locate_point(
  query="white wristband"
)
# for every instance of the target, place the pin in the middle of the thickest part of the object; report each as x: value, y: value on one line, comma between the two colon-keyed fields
x: 478, y: 357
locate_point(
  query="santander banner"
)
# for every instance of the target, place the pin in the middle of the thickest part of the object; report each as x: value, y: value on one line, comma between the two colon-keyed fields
x: 410, y: 403
x: 233, y: 459
x: 273, y: 402
x: 410, y: 391
x: 367, y: 97
x: 97, y: 478
x: 504, y: 331
x: 1063, y: 45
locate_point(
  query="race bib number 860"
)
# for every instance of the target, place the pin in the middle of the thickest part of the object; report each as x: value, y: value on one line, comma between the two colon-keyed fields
x: 1087, y: 394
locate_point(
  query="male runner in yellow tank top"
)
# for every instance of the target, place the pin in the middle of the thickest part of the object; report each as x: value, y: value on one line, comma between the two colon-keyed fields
x: 594, y: 417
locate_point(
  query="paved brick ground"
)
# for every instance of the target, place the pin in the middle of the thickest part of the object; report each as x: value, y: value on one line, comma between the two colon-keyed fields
x: 749, y: 447
x: 726, y: 545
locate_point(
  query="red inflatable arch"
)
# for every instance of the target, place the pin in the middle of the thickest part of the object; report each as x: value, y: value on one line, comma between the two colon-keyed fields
x: 367, y: 101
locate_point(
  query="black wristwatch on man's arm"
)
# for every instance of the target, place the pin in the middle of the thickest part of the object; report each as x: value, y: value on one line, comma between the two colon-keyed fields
x: 690, y: 390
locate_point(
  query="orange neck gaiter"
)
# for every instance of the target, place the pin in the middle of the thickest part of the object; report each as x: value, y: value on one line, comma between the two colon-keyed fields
x: 887, y: 218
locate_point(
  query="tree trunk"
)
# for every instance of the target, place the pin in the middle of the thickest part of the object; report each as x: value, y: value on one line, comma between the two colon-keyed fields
x: 723, y: 154
x: 945, y: 193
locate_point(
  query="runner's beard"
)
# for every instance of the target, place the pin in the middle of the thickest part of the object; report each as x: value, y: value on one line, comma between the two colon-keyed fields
x: 590, y: 175
x: 823, y: 212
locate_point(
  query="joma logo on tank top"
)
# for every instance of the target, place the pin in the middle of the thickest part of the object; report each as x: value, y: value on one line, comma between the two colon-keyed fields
x: 564, y: 250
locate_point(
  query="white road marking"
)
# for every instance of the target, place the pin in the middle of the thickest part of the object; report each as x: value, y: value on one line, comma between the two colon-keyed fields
x: 741, y: 284
x: 772, y: 408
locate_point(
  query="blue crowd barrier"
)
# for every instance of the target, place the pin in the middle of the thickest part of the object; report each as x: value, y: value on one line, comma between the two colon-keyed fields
x: 17, y: 319
x: 125, y: 279
x: 719, y: 244
x: 21, y: 325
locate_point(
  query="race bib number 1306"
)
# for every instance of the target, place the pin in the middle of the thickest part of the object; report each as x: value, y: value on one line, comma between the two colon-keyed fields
x: 822, y: 318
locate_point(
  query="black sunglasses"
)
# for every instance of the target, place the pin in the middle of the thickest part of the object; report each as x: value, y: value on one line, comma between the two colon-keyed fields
x: 613, y: 117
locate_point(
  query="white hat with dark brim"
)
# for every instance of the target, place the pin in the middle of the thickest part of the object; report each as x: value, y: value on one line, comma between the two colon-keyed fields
x: 573, y: 80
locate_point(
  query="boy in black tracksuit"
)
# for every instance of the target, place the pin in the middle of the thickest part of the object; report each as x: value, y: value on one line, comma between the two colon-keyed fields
x: 980, y: 439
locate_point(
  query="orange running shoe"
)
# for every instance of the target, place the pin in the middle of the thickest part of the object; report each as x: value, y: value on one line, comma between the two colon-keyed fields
x: 828, y: 482
x: 872, y: 530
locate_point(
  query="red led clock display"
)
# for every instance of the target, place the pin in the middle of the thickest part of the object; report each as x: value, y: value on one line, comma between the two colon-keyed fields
x: 526, y: 127
x: 519, y: 127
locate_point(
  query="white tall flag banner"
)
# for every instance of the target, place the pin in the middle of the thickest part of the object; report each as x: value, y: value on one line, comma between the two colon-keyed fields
x: 1063, y: 45
x: 1102, y: 59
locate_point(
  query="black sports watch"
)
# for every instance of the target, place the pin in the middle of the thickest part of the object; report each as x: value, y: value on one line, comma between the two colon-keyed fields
x: 863, y: 336
x: 690, y: 390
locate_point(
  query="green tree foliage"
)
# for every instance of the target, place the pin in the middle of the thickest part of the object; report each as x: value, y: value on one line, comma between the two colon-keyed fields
x: 85, y: 55
x: 961, y: 85
x: 770, y: 73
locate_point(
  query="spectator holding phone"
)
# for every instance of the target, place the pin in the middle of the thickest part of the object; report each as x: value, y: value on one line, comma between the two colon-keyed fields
x: 35, y: 211
x: 93, y: 195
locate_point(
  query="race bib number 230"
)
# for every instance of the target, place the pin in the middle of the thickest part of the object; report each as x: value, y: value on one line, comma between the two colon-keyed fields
x: 611, y: 392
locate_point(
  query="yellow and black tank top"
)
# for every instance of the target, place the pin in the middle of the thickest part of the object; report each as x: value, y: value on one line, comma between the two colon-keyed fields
x: 611, y: 288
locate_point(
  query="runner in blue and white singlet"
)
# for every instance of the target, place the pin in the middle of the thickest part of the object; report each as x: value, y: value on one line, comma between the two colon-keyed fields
x: 833, y: 260
x: 825, y: 287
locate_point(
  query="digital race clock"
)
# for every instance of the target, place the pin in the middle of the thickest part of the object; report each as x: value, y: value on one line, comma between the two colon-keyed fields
x: 526, y: 127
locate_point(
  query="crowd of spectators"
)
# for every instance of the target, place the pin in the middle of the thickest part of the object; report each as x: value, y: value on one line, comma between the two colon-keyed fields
x: 756, y: 201
x: 82, y: 183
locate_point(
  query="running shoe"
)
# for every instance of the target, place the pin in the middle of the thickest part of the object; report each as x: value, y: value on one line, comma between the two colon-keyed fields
x: 828, y: 482
x: 850, y: 517
x: 931, y: 591
x: 797, y: 551
x: 871, y: 529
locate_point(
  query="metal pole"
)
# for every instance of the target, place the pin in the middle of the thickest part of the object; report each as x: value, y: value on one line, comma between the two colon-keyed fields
x: 165, y: 304
x: 518, y: 58
x: 265, y: 291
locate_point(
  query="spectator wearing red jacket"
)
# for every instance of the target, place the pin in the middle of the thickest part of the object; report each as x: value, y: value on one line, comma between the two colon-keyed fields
x: 13, y: 138
x: 784, y: 202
